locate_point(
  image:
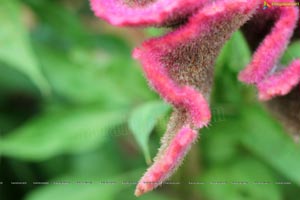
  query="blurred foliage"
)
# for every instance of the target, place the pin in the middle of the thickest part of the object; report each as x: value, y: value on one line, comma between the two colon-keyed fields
x: 16, y: 50
x: 77, y: 115
x: 142, y: 122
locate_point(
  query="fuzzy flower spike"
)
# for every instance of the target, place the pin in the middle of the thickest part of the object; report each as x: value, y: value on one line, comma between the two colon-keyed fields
x: 179, y: 65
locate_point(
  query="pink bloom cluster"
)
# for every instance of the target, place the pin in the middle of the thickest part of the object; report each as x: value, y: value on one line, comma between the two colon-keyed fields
x: 180, y: 64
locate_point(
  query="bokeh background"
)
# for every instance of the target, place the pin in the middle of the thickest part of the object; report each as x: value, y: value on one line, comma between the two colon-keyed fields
x: 78, y: 121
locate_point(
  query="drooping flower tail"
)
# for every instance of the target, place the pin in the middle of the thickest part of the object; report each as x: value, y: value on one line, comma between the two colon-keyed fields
x: 174, y: 153
x: 179, y: 66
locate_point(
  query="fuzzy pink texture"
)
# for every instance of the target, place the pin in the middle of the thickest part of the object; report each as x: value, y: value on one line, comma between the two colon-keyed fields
x: 186, y: 96
x: 198, y: 26
x: 118, y: 13
x: 266, y: 57
x: 281, y: 83
x: 175, y: 152
x: 197, y: 23
x: 152, y: 51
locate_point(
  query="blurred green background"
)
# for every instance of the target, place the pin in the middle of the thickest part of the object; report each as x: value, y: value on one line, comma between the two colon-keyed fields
x: 78, y: 121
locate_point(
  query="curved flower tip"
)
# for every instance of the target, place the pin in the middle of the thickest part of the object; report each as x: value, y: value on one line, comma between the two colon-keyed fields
x: 280, y: 83
x: 277, y: 84
x: 167, y: 163
x: 272, y: 47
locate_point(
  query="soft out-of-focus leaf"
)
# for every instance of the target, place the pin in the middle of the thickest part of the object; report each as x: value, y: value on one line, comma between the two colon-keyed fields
x: 236, y: 53
x: 68, y: 26
x: 70, y: 31
x: 142, y: 122
x: 291, y: 53
x: 243, y: 180
x: 240, y: 54
x: 266, y: 138
x: 111, y: 81
x: 220, y: 141
x: 94, y: 190
x: 130, y: 78
x: 79, y: 83
x: 65, y: 131
x: 127, y: 195
x: 234, y: 56
x: 15, y: 48
x: 12, y: 81
x: 104, y: 165
x: 155, y: 32
x: 105, y: 160
x: 83, y: 66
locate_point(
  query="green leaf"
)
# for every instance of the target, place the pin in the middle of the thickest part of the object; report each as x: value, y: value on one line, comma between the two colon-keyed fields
x: 240, y: 181
x: 239, y: 54
x: 154, y: 31
x: 220, y: 141
x: 142, y: 122
x: 64, y: 131
x: 69, y: 31
x: 15, y: 45
x: 121, y: 186
x: 127, y: 194
x: 291, y: 53
x: 236, y: 53
x: 234, y: 56
x: 79, y: 83
x: 267, y: 139
x: 106, y: 80
x: 12, y: 80
x: 77, y: 190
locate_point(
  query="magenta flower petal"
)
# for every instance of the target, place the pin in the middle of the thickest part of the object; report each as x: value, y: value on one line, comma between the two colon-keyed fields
x: 280, y: 83
x: 273, y: 46
x: 152, y: 12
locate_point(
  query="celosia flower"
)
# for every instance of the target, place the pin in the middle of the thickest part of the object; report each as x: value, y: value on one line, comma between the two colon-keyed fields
x: 276, y: 25
x: 179, y: 65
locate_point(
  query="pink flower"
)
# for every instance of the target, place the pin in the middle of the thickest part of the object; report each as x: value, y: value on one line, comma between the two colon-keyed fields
x: 180, y: 64
x: 277, y: 84
x: 264, y: 70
